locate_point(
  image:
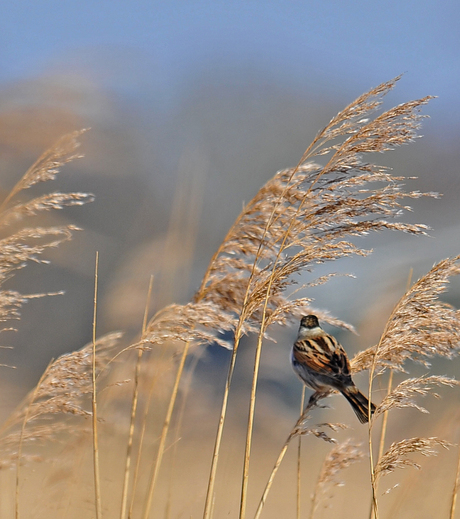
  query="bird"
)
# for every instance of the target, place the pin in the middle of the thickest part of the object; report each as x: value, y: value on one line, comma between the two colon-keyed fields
x: 322, y: 364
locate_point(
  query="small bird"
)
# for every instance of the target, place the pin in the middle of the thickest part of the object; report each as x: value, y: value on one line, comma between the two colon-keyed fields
x: 322, y: 364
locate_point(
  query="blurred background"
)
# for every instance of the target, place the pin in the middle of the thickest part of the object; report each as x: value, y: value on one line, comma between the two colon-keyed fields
x: 192, y: 107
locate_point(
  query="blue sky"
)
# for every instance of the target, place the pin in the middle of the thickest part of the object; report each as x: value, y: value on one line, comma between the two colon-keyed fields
x: 144, y: 44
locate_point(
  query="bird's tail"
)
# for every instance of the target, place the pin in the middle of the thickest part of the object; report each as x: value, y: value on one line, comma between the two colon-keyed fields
x: 359, y: 403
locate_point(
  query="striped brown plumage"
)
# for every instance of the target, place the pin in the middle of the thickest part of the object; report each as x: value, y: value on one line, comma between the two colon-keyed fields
x: 322, y: 364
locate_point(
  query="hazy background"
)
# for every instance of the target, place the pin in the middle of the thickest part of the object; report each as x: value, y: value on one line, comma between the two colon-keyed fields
x: 192, y: 106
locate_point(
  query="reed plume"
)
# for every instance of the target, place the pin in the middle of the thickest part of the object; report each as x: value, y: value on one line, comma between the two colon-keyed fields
x: 338, y: 459
x: 61, y: 388
x: 420, y: 326
x: 303, y: 217
x: 64, y: 390
x: 396, y: 456
x: 61, y: 385
x: 20, y: 246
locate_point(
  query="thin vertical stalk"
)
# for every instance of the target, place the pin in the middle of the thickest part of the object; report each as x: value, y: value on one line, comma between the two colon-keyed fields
x: 375, y: 510
x: 299, y: 457
x: 208, y: 508
x: 374, y: 507
x: 263, y: 327
x: 97, y: 482
x: 382, y: 436
x: 124, y: 500
x: 207, y: 514
x: 455, y: 489
x: 385, y: 419
x: 141, y: 444
x: 164, y: 432
x: 180, y: 416
x: 252, y: 404
x: 272, y: 476
x: 311, y: 150
x: 295, y: 430
x: 372, y: 464
x: 21, y: 440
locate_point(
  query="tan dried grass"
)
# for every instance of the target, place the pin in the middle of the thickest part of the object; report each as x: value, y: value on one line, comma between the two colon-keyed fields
x: 303, y: 217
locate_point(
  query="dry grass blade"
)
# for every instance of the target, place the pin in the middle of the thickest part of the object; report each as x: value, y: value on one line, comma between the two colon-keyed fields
x: 339, y: 458
x: 197, y: 323
x: 47, y: 166
x: 161, y: 448
x: 16, y: 250
x: 396, y: 455
x: 384, y: 424
x: 209, y: 502
x: 403, y: 394
x: 44, y: 203
x: 300, y: 428
x: 372, y: 512
x: 96, y: 464
x: 455, y: 489
x: 134, y: 402
x: 191, y: 324
x: 299, y: 458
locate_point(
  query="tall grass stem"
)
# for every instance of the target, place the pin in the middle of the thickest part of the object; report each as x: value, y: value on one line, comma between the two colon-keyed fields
x: 135, y: 399
x: 96, y: 468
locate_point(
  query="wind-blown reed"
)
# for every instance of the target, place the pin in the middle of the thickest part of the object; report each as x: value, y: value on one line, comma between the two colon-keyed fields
x: 303, y: 217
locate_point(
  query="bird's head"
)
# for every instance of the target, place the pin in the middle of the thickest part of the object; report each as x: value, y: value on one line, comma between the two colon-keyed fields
x: 309, y: 321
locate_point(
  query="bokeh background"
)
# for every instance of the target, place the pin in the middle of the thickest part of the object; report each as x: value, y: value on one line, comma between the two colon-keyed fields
x: 192, y: 107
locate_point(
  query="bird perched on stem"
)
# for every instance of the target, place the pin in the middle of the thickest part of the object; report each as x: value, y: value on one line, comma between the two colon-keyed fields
x: 322, y: 364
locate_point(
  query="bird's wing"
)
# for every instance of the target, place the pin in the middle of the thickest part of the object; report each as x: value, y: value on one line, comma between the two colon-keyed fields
x: 323, y: 355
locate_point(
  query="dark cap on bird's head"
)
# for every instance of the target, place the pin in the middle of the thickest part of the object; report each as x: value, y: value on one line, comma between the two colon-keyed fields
x: 309, y: 321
